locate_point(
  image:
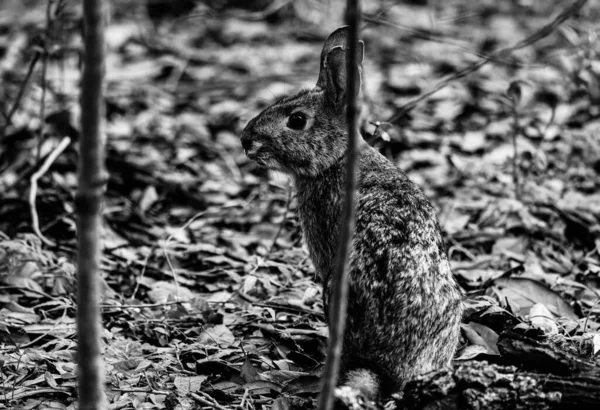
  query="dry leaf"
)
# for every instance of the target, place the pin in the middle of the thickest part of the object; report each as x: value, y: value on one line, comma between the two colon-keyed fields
x: 481, y: 335
x: 541, y: 318
x: 523, y: 293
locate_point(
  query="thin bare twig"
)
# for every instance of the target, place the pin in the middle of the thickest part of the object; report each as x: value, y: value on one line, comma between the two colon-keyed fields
x: 205, y: 400
x: 515, y: 159
x: 140, y: 306
x: 440, y: 37
x: 165, y: 245
x: 17, y: 102
x: 142, y: 390
x: 498, y: 54
x: 44, y: 75
x: 35, y: 222
x: 587, y: 317
x: 24, y: 289
x: 339, y: 299
x: 271, y: 9
x: 58, y: 322
x: 144, y: 266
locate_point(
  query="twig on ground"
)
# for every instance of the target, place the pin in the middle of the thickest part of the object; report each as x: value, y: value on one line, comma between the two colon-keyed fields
x: 138, y: 281
x: 457, y: 245
x: 498, y: 54
x: 35, y: 223
x: 182, y: 368
x: 299, y: 266
x: 149, y: 391
x: 165, y: 245
x: 244, y: 399
x: 28, y: 290
x: 41, y: 392
x: 140, y: 306
x: 12, y: 397
x: 231, y: 165
x: 175, y: 77
x: 58, y: 322
x: 291, y: 308
x: 206, y: 400
x: 261, y: 260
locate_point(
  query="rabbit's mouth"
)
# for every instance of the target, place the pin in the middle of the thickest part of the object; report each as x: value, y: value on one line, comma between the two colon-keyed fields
x: 263, y: 162
x: 257, y: 152
x: 262, y: 159
x: 254, y: 153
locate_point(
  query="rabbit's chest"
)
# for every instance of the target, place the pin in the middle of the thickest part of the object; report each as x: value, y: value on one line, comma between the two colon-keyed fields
x: 319, y: 238
x: 320, y: 219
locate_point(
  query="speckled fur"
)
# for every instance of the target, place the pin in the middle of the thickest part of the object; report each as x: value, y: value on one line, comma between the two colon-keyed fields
x: 404, y: 306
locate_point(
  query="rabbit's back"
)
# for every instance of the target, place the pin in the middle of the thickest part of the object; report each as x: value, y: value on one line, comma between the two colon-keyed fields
x: 403, y: 304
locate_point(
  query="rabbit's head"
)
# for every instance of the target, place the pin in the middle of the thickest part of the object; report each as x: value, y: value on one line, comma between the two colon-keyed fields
x: 305, y: 134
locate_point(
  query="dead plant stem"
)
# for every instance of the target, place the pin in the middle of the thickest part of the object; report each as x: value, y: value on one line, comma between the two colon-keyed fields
x: 17, y: 102
x: 35, y: 222
x: 515, y: 159
x: 339, y: 302
x: 92, y: 178
x: 43, y: 81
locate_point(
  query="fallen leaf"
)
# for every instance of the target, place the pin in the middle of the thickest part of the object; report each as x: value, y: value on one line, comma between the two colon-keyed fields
x: 163, y: 291
x: 471, y: 351
x: 541, y: 318
x: 261, y: 387
x: 248, y: 372
x: 185, y: 385
x: 523, y: 293
x: 148, y: 198
x: 217, y: 334
x: 481, y: 335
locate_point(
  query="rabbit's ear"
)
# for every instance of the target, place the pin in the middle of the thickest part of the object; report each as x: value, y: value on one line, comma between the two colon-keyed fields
x: 336, y: 74
x: 333, y: 74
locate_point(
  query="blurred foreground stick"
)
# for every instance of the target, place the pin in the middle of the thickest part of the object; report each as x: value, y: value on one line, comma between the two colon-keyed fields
x: 92, y: 179
x: 556, y: 379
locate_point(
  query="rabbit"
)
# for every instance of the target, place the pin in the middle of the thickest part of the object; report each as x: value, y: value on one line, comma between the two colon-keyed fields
x: 404, y: 305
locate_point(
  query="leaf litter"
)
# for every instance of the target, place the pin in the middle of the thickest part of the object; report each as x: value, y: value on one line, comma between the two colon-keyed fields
x: 209, y: 298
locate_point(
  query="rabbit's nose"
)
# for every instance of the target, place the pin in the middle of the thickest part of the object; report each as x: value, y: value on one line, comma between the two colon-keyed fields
x: 246, y: 143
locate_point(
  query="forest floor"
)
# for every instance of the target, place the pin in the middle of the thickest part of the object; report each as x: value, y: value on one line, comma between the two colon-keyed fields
x: 210, y: 300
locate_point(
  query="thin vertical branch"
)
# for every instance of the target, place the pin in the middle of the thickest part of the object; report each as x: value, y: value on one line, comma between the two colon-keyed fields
x: 92, y: 179
x: 46, y: 47
x: 339, y: 299
x: 515, y: 159
x: 514, y: 93
x: 16, y: 104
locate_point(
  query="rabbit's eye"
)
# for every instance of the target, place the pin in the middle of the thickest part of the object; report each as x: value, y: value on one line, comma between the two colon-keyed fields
x: 297, y: 121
